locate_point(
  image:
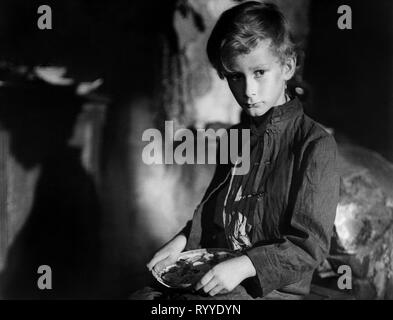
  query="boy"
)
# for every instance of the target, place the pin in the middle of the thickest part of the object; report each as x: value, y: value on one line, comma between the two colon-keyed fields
x: 280, y: 214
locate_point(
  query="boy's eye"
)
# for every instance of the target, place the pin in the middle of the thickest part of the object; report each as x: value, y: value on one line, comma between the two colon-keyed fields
x: 259, y: 73
x: 234, y: 77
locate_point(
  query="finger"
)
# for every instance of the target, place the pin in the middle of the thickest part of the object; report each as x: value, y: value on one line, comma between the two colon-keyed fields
x: 155, y: 260
x: 204, y: 280
x: 218, y: 289
x: 210, y: 285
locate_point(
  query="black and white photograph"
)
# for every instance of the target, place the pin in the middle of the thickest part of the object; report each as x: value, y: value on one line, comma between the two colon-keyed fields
x: 212, y: 151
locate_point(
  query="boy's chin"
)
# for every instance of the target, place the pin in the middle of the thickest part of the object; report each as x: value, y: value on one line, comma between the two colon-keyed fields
x: 254, y: 112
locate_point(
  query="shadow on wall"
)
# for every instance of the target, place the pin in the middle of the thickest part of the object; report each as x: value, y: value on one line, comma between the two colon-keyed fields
x: 62, y: 227
x: 144, y: 205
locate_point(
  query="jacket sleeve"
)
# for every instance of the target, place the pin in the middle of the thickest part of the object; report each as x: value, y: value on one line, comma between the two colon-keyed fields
x: 308, y: 224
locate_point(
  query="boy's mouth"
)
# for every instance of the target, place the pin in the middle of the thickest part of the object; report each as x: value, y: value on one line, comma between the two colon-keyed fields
x: 253, y: 105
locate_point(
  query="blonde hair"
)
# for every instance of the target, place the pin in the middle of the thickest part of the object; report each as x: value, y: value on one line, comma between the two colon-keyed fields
x: 239, y: 29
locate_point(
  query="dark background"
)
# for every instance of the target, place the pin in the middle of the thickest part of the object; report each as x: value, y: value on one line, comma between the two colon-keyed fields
x: 349, y: 71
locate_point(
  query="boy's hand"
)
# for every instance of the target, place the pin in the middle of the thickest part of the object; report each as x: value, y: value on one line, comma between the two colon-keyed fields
x: 168, y: 254
x: 227, y: 275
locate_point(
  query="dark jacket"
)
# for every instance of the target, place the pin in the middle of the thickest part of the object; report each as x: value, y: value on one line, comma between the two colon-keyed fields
x: 298, y: 190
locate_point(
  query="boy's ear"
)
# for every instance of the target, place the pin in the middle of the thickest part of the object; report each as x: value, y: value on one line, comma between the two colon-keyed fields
x: 289, y: 68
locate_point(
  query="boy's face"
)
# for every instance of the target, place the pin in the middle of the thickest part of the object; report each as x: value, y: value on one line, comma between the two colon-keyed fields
x: 257, y: 79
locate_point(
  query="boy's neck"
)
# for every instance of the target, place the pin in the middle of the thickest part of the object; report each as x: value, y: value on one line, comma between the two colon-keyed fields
x: 284, y: 98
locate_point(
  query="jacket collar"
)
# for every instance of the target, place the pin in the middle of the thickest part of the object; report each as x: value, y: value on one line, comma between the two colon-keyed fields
x: 276, y: 117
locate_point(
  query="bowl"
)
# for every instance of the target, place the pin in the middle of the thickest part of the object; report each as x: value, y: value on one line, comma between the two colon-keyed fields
x: 191, y: 266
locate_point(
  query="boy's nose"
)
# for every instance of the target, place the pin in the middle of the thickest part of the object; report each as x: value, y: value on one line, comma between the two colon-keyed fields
x: 250, y: 89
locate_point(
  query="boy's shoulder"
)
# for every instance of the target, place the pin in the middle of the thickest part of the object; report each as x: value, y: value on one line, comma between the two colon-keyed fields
x: 311, y: 131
